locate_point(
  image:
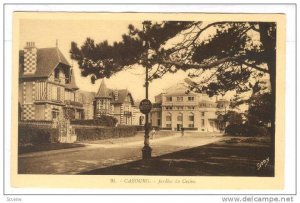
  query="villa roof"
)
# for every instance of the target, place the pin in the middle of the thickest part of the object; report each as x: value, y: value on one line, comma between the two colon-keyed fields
x: 103, y: 91
x: 47, y: 61
x: 179, y: 89
x: 122, y: 95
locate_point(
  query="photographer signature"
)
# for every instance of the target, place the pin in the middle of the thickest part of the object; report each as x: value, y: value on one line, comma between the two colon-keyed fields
x: 263, y: 163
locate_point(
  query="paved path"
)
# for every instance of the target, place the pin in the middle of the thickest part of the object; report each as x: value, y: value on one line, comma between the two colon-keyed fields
x: 102, y: 154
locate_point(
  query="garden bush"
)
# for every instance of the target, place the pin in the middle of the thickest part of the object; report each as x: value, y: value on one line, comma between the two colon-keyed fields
x: 35, y: 135
x: 100, y: 133
x: 108, y: 121
x: 165, y: 128
x: 245, y: 130
x: 137, y: 127
x: 190, y: 128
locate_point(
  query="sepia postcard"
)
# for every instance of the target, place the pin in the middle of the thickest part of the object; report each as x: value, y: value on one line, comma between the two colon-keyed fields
x: 148, y: 100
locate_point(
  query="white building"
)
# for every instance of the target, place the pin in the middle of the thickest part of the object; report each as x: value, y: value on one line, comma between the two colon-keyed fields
x: 176, y: 108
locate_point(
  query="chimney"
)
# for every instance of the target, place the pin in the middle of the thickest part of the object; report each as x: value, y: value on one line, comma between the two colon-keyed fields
x: 30, y: 58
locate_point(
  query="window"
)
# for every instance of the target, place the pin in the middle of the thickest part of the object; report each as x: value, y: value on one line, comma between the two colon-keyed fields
x: 168, y: 99
x: 169, y: 125
x: 191, y: 117
x: 179, y: 99
x: 179, y: 117
x: 168, y: 107
x: 203, y: 105
x: 191, y: 125
x: 158, y: 122
x: 68, y: 78
x: 56, y: 73
x: 202, y: 122
x: 191, y: 107
x: 180, y: 107
x: 190, y: 98
x: 55, y: 113
x: 202, y: 113
x: 169, y: 117
x: 58, y: 94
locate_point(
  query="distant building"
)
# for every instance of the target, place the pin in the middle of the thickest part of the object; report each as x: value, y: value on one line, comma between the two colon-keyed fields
x: 47, y: 88
x: 138, y: 117
x: 175, y: 109
x: 87, y: 100
x: 116, y: 103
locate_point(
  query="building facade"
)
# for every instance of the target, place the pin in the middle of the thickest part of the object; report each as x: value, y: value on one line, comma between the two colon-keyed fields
x: 177, y: 108
x: 87, y: 99
x: 116, y: 103
x: 47, y: 88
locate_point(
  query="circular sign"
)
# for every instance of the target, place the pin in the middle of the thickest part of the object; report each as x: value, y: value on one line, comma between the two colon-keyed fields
x: 145, y: 106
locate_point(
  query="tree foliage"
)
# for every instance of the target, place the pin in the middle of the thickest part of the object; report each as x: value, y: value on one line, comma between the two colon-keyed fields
x: 233, y: 52
x: 103, y: 60
x: 233, y: 117
x: 260, y: 109
x: 220, y: 56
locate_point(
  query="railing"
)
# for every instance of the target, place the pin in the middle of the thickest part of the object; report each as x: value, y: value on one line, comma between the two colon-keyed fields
x: 73, y: 103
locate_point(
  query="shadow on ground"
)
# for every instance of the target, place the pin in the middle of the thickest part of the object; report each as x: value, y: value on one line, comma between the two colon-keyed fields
x: 47, y: 147
x: 217, y: 159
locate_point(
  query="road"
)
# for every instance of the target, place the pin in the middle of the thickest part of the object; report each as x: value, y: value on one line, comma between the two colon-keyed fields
x: 107, y: 153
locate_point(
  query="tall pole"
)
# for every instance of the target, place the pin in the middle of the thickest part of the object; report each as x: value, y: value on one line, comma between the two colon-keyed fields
x: 146, y: 151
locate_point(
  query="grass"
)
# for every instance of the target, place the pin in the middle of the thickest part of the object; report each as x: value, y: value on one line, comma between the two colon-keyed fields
x: 47, y: 147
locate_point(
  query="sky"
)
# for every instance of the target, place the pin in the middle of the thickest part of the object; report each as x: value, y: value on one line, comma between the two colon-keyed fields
x: 45, y: 33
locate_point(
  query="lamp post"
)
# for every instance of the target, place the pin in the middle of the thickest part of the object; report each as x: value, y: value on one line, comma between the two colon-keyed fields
x: 146, y: 105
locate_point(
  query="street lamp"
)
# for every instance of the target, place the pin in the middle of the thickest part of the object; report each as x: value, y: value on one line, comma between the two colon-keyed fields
x: 145, y: 107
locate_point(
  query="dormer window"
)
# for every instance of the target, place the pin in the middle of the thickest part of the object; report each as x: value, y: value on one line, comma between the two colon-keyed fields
x: 56, y: 73
x: 69, y: 77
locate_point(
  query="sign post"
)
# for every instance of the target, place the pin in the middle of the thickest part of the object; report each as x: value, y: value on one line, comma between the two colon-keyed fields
x: 145, y: 108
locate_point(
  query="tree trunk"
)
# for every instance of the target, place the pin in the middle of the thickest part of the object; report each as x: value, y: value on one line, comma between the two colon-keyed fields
x: 273, y: 113
x: 268, y: 40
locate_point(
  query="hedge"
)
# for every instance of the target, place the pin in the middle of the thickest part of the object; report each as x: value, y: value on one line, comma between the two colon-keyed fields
x: 100, y: 133
x: 101, y: 121
x: 34, y: 135
x: 137, y: 127
x: 190, y: 128
x: 245, y: 130
x: 165, y: 128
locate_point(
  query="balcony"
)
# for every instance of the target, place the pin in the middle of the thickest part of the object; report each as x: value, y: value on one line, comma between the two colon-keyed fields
x: 73, y: 103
